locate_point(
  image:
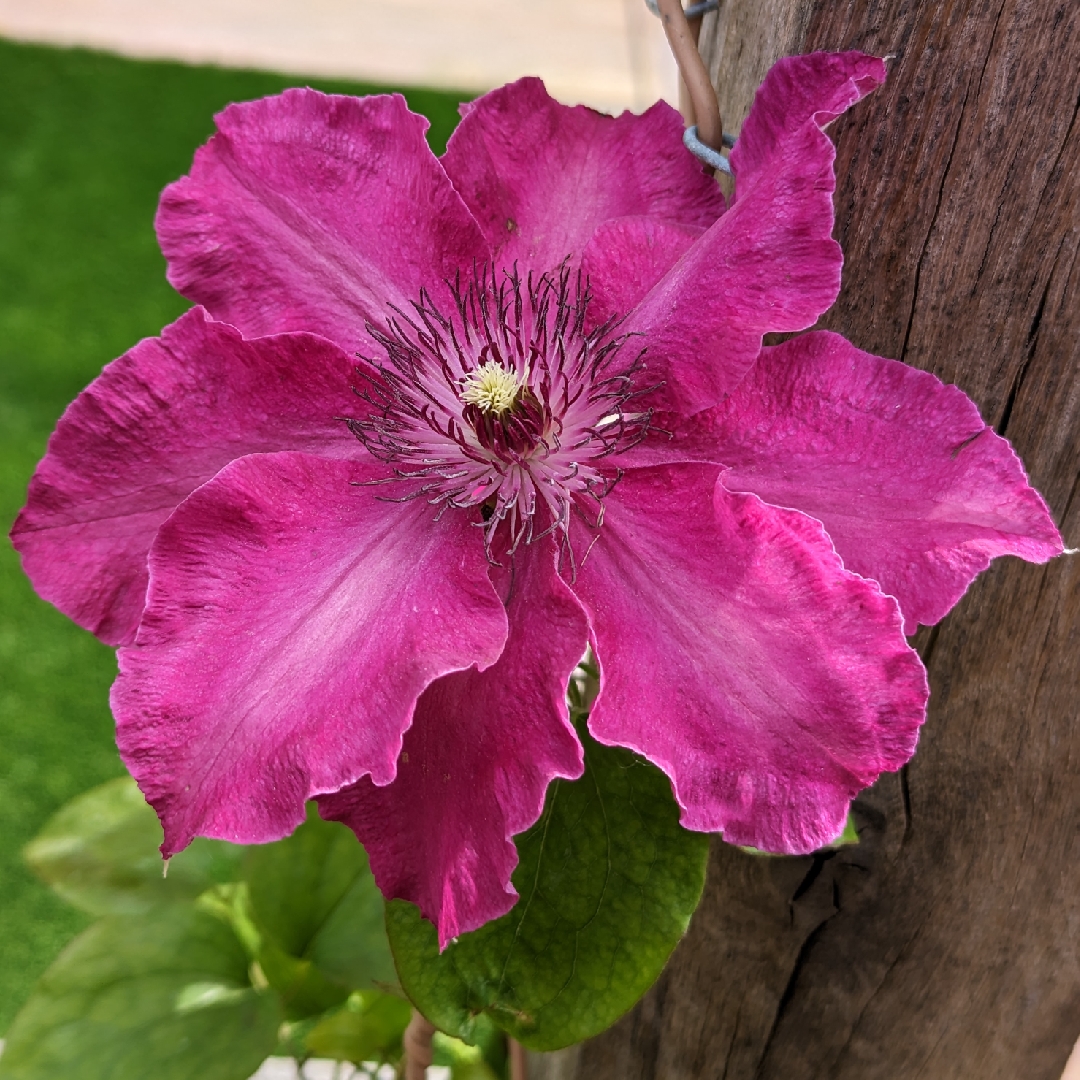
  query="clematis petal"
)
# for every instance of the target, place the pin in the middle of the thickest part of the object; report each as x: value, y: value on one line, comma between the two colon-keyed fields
x: 156, y: 424
x: 770, y: 263
x: 914, y: 489
x: 626, y: 257
x: 798, y: 90
x: 740, y: 657
x: 476, y: 763
x: 293, y: 619
x: 310, y: 211
x: 540, y: 177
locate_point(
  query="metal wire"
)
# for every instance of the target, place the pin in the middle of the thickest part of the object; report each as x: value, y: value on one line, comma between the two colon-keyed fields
x: 683, y: 42
x: 713, y: 158
x: 692, y: 12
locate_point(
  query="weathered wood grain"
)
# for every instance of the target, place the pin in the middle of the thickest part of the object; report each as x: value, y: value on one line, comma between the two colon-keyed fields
x: 947, y: 944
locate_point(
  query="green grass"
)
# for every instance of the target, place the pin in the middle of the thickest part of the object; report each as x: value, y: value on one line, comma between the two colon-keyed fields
x: 87, y: 141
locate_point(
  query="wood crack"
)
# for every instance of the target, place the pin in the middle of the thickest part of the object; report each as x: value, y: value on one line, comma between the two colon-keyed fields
x: 1022, y: 370
x: 731, y: 1045
x: 813, y: 873
x: 930, y: 228
x: 820, y: 859
x: 1069, y: 502
x: 944, y: 180
x: 1001, y: 200
x: 789, y: 992
x: 1036, y: 322
x: 877, y: 989
x: 905, y: 796
x: 931, y: 644
x: 1061, y: 150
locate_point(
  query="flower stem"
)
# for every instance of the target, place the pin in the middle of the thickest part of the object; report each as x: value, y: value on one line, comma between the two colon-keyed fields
x: 695, y: 76
x: 519, y: 1065
x: 418, y: 1051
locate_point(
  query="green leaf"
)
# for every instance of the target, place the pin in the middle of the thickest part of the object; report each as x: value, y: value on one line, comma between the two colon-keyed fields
x: 100, y: 853
x: 164, y: 994
x: 608, y: 881
x: 316, y: 904
x: 849, y: 836
x: 473, y: 1070
x: 369, y: 1027
x: 305, y: 991
x: 471, y: 1062
x: 486, y: 1050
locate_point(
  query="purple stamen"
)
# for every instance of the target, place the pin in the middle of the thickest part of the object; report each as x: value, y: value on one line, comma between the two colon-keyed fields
x: 531, y: 439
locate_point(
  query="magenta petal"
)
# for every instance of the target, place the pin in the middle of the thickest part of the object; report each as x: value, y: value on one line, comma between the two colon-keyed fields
x: 293, y: 619
x: 476, y: 764
x: 770, y: 263
x: 310, y: 211
x: 540, y: 177
x: 738, y: 655
x: 156, y: 424
x: 626, y: 257
x: 799, y: 90
x: 912, y: 487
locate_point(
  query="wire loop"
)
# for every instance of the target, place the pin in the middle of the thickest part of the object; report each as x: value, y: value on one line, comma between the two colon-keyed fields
x: 702, y: 108
x: 692, y: 12
x: 713, y: 158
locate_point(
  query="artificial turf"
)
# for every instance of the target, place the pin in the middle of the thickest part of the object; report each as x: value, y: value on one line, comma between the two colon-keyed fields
x: 87, y: 141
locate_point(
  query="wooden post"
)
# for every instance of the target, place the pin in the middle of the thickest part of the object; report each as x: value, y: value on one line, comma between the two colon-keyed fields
x: 947, y: 944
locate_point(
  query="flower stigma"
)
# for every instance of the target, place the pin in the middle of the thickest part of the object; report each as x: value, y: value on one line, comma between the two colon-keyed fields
x: 491, y: 388
x: 510, y: 404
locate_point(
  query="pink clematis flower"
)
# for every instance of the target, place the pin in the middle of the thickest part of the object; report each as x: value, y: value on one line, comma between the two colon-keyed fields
x: 564, y: 431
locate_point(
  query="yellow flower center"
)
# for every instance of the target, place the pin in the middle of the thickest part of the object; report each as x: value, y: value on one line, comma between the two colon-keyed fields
x: 491, y: 388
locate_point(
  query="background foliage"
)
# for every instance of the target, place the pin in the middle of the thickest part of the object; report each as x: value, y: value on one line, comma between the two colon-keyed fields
x: 281, y: 948
x: 87, y: 141
x: 200, y: 975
